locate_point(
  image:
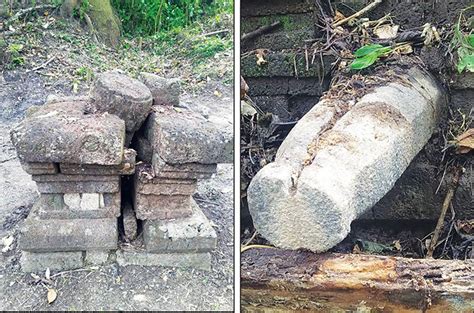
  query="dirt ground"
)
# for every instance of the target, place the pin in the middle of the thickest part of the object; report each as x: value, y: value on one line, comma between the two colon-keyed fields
x: 109, y: 287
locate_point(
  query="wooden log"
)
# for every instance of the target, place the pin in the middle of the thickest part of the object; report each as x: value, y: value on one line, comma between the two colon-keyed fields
x: 274, y: 279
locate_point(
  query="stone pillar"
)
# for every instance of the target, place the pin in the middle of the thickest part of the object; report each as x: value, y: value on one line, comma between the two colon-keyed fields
x: 331, y: 169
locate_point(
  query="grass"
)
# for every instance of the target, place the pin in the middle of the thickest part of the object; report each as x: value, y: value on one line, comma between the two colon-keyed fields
x: 184, y: 51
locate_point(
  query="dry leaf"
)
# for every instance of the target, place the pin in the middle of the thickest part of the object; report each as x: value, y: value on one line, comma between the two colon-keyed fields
x: 386, y: 31
x: 7, y: 243
x: 52, y: 295
x: 217, y: 93
x: 47, y: 274
x: 405, y: 49
x: 397, y: 245
x: 465, y: 141
x: 431, y: 34
x: 244, y: 88
x: 246, y: 109
x: 338, y: 16
x: 260, y: 57
x: 356, y: 249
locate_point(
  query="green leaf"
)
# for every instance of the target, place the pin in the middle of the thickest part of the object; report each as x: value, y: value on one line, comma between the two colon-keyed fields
x: 362, y: 51
x: 372, y: 247
x: 470, y: 40
x: 466, y: 63
x: 365, y: 61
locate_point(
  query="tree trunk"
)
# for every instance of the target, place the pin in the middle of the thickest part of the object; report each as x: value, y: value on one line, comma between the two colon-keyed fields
x: 274, y: 279
x: 103, y: 21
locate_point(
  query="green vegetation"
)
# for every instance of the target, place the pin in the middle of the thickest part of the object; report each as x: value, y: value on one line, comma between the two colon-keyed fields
x: 368, y: 55
x: 178, y: 27
x: 464, y: 45
x: 149, y: 17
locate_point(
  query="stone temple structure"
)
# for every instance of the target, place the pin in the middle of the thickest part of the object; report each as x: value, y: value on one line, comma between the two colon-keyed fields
x: 116, y: 172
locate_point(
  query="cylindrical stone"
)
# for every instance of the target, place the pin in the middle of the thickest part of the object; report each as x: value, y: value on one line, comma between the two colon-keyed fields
x: 328, y: 172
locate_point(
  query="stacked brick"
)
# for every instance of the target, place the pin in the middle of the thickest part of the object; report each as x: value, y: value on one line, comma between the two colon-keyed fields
x: 292, y: 78
x: 75, y: 148
x: 178, y: 147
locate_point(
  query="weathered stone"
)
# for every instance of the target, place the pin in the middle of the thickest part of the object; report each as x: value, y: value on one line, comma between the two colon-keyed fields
x: 164, y: 91
x: 84, y: 100
x: 146, y: 183
x: 160, y: 166
x: 183, y: 175
x: 61, y: 133
x: 277, y: 105
x: 73, y: 178
x: 168, y: 187
x: 39, y: 168
x: 187, y: 137
x: 80, y: 186
x: 263, y: 8
x: 201, y: 261
x: 126, y: 167
x: 144, y: 149
x: 90, y: 201
x: 68, y: 206
x: 324, y: 177
x: 130, y: 226
x: 149, y: 206
x: 55, y: 261
x: 191, y: 234
x: 50, y: 235
x: 123, y: 96
x: 96, y: 257
x: 71, y: 200
x: 282, y: 64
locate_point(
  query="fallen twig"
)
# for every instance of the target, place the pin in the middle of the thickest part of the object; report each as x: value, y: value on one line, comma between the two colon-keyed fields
x: 444, y: 209
x: 72, y: 271
x: 243, y: 249
x: 42, y: 65
x: 22, y: 12
x: 217, y: 32
x: 251, y: 238
x: 259, y: 31
x: 91, y: 28
x: 368, y: 8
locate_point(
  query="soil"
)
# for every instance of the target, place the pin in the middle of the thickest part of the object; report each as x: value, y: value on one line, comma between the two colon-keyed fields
x: 109, y: 287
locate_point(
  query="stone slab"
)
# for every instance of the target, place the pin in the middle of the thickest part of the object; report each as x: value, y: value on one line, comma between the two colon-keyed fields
x: 79, y: 186
x: 191, y: 234
x: 148, y: 206
x: 126, y: 167
x: 200, y: 261
x: 187, y: 137
x: 146, y: 183
x: 40, y: 168
x: 55, y: 261
x: 160, y: 166
x: 96, y: 257
x: 123, y: 96
x: 164, y: 91
x: 63, y: 133
x: 74, y: 178
x: 51, y: 235
x: 68, y: 206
